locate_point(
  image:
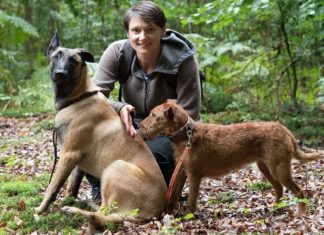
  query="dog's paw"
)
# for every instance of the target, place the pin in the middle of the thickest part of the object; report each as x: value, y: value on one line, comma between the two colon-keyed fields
x: 69, y: 209
x: 39, y: 210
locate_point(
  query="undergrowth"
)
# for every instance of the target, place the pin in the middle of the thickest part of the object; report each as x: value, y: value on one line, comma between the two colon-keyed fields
x: 307, y: 126
x: 19, y: 195
x: 261, y: 185
x: 305, y: 121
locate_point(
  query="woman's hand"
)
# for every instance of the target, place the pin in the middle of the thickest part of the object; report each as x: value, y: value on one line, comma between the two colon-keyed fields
x: 127, y: 119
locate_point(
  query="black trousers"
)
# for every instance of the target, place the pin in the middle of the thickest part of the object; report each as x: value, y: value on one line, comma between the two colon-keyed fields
x: 162, y: 150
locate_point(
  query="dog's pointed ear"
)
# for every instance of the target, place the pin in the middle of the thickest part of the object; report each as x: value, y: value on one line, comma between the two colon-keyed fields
x: 168, y: 112
x: 86, y: 56
x: 54, y: 44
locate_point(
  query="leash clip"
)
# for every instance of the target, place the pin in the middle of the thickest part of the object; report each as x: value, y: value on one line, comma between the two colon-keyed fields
x: 189, y: 134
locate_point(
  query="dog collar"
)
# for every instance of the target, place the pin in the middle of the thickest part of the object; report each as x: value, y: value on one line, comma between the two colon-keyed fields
x: 181, y: 134
x: 75, y: 100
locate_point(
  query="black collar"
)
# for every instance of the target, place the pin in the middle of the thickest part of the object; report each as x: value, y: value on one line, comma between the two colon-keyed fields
x: 81, y: 97
x: 182, y: 133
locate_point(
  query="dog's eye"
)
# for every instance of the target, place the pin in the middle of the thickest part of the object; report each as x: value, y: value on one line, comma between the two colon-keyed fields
x: 153, y: 114
x: 58, y: 55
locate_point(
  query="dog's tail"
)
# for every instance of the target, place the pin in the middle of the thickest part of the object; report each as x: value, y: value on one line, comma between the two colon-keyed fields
x: 300, y: 155
x: 307, y: 157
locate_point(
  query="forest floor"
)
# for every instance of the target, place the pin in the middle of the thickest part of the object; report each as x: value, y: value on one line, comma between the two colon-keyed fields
x: 241, y: 202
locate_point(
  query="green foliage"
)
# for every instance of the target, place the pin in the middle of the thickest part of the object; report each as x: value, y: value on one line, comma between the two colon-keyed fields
x: 286, y: 202
x: 261, y: 185
x: 222, y: 198
x: 170, y: 225
x: 19, y: 195
x: 307, y: 126
x: 92, y: 67
x: 8, y: 160
x: 214, y: 100
x: 189, y: 216
x: 19, y: 188
x: 226, y: 198
x: 35, y: 95
x: 111, y: 226
x: 130, y: 213
x: 264, y: 59
x: 109, y: 209
x: 245, y: 210
x: 18, y: 22
x: 68, y: 201
x: 243, y: 53
x: 56, y: 221
x: 14, y: 32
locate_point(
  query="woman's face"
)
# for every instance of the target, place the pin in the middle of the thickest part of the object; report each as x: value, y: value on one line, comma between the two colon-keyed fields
x: 145, y: 37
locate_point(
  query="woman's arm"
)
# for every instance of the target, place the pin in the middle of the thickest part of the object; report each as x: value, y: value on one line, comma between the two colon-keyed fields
x: 106, y: 76
x: 107, y: 71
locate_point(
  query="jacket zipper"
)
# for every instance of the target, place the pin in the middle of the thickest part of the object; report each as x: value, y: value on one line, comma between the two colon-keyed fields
x: 146, y: 92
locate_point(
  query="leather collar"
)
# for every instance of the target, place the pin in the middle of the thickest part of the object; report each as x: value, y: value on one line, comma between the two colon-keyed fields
x: 75, y: 100
x: 181, y: 134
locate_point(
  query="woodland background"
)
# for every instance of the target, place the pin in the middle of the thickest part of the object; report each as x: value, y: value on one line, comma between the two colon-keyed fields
x: 263, y: 60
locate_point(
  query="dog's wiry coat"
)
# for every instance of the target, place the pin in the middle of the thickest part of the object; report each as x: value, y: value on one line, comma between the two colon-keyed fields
x: 219, y: 149
x: 93, y: 137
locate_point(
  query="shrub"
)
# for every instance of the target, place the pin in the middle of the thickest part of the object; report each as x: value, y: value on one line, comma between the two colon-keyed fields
x: 36, y: 94
x: 214, y: 100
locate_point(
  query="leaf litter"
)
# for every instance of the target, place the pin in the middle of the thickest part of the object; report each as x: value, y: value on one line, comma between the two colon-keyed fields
x: 226, y: 205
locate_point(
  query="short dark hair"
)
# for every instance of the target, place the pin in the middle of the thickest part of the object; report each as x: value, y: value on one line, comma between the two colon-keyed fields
x: 147, y: 11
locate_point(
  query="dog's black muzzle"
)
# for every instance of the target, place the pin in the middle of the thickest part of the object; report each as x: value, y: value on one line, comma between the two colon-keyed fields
x: 59, y: 75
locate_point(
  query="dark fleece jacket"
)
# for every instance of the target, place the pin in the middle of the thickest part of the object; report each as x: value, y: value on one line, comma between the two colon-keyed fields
x: 175, y: 77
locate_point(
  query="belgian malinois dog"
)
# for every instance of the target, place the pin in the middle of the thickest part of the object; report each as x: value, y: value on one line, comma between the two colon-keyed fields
x: 93, y: 137
x: 217, y: 150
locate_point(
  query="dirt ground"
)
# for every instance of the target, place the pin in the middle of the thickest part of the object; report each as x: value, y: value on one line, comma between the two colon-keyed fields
x: 228, y: 205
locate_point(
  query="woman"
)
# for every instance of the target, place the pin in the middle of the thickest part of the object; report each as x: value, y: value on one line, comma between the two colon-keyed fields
x: 162, y: 66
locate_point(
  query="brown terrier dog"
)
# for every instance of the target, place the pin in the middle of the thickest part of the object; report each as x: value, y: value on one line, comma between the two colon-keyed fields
x: 219, y: 149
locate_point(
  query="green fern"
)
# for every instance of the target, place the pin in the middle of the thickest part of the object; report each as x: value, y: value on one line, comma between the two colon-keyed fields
x: 18, y: 22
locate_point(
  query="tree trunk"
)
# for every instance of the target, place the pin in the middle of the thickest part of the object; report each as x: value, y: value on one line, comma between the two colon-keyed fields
x: 29, y: 44
x: 291, y: 58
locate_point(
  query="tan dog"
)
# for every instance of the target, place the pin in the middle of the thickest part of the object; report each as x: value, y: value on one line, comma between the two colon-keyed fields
x: 219, y: 149
x: 93, y: 138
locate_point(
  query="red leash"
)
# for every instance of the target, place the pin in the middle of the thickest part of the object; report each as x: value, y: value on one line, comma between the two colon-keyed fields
x: 183, y: 156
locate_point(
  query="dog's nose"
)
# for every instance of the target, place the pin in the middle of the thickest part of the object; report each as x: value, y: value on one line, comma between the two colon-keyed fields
x: 60, y: 73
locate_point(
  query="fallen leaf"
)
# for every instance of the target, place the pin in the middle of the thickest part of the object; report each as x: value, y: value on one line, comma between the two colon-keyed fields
x: 22, y: 206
